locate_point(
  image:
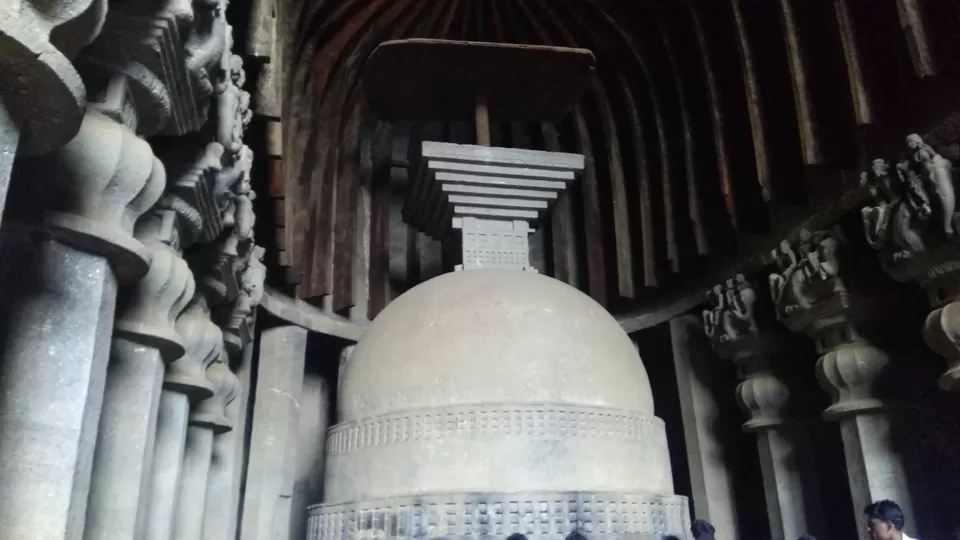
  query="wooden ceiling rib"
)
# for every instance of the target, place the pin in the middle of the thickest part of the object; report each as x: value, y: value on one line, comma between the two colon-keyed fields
x: 710, y: 122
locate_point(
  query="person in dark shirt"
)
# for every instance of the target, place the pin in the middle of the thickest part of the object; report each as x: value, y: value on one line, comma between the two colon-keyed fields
x: 702, y: 530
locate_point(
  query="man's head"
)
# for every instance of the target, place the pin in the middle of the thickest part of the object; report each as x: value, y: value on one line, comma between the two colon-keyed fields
x: 884, y: 520
x: 517, y: 536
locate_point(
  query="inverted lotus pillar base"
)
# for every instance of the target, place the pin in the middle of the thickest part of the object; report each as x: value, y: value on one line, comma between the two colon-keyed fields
x: 539, y: 515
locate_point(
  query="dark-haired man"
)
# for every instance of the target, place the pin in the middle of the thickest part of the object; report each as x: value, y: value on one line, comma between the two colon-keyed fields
x: 517, y: 536
x: 885, y: 521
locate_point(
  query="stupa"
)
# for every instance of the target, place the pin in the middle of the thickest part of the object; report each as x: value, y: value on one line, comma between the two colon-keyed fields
x: 493, y: 399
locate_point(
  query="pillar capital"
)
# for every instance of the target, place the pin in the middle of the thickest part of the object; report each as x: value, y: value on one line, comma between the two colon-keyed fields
x: 850, y: 372
x: 39, y: 85
x: 203, y: 342
x: 941, y: 331
x: 912, y: 222
x: 149, y: 310
x: 731, y: 323
x: 211, y: 412
x: 911, y: 219
x: 96, y: 186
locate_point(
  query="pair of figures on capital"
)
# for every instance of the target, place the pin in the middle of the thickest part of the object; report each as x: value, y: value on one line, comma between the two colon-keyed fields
x: 807, y: 271
x: 731, y: 310
x: 916, y: 197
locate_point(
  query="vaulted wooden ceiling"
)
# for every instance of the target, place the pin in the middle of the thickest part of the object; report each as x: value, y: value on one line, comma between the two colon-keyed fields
x: 713, y: 127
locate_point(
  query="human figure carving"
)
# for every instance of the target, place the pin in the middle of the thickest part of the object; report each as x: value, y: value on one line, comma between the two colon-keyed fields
x: 786, y: 259
x: 251, y: 288
x: 876, y: 219
x: 711, y: 317
x: 738, y: 317
x: 207, y: 43
x: 937, y: 171
x: 901, y: 211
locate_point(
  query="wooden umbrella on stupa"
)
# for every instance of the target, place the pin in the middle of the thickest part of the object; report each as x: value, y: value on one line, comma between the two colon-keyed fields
x: 491, y: 194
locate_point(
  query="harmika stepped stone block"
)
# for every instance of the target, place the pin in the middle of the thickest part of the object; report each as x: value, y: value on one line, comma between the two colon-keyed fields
x: 495, y: 400
x: 481, y: 190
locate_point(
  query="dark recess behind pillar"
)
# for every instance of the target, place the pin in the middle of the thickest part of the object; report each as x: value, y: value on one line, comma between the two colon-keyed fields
x: 656, y: 350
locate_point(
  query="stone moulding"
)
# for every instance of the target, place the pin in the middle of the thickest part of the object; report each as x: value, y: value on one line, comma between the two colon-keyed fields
x: 540, y: 515
x: 548, y: 422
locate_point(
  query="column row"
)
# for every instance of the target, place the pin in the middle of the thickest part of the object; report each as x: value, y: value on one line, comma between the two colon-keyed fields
x: 828, y: 287
x: 130, y: 270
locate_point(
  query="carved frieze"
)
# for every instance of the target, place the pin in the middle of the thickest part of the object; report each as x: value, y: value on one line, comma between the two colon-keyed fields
x: 192, y: 194
x: 170, y: 50
x: 600, y: 516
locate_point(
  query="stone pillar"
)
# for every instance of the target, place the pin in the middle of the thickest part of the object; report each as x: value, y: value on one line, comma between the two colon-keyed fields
x: 207, y: 419
x: 60, y: 290
x: 241, y: 405
x: 144, y: 337
x: 814, y: 295
x: 276, y: 417
x: 711, y: 477
x: 219, y: 512
x: 784, y: 450
x: 167, y: 464
x: 849, y: 369
x: 311, y: 446
x: 185, y: 381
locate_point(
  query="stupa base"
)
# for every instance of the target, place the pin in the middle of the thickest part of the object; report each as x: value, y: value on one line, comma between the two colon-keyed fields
x: 494, y: 516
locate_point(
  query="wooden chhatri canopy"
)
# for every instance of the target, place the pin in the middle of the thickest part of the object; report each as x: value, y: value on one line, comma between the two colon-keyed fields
x: 435, y: 79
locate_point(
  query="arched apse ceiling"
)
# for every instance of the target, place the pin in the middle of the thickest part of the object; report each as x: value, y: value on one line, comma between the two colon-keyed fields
x: 713, y: 127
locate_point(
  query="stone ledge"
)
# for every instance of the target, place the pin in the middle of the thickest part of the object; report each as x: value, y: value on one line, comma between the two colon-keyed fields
x: 540, y: 421
x: 541, y: 516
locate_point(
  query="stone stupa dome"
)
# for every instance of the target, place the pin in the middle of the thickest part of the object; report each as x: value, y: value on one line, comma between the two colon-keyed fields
x: 493, y: 336
x: 495, y: 380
